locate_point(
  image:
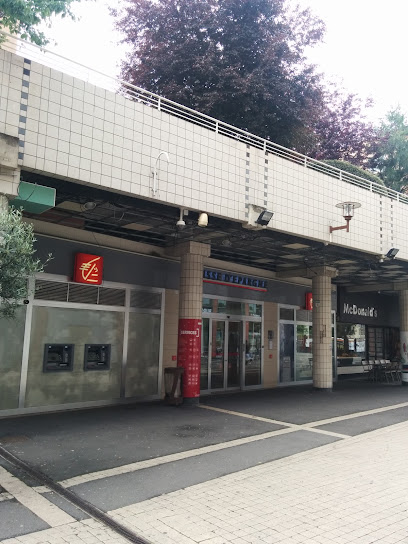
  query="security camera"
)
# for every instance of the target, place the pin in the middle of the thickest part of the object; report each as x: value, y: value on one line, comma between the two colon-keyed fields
x: 26, y: 301
x: 181, y: 224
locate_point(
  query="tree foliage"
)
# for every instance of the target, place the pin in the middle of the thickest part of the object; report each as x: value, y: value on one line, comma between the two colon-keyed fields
x: 240, y: 61
x: 353, y: 169
x: 22, y: 16
x: 243, y: 62
x: 390, y: 159
x: 17, y: 261
x: 341, y: 131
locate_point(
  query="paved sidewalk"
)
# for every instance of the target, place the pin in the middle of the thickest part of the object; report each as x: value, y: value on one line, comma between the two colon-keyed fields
x: 351, y: 491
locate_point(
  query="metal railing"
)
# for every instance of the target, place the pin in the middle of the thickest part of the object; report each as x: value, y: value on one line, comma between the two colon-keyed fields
x: 74, y: 69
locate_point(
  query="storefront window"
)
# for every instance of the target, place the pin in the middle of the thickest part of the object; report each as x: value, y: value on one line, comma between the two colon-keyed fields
x: 304, y: 352
x: 231, y: 307
x: 351, y: 343
x: 286, y: 352
x: 383, y: 343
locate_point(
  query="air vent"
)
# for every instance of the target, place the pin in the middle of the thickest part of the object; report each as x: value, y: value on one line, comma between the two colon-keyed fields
x: 51, y: 290
x: 304, y: 315
x: 287, y: 314
x: 145, y: 300
x: 84, y: 294
x: 112, y: 297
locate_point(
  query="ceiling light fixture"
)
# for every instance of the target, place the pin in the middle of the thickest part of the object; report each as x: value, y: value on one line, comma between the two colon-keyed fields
x: 88, y: 206
x: 348, y: 213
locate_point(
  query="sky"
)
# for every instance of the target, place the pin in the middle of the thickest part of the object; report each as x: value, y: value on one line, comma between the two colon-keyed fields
x: 363, y: 49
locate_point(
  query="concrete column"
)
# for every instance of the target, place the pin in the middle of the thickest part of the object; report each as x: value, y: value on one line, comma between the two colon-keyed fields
x: 403, y: 306
x: 190, y: 313
x: 321, y: 317
x: 3, y: 203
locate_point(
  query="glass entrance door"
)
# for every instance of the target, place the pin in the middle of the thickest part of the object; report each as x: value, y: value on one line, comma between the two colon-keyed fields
x: 253, y: 352
x: 217, y: 359
x: 230, y: 354
x: 233, y: 378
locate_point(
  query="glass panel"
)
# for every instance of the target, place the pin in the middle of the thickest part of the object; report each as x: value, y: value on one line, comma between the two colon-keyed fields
x: 371, y: 342
x: 334, y: 353
x: 351, y: 344
x: 205, y: 336
x: 217, y: 354
x: 142, y: 370
x: 303, y: 352
x: 286, y: 352
x: 231, y: 307
x: 252, y: 309
x: 234, y: 353
x: 393, y: 349
x: 207, y: 305
x: 253, y: 352
x: 379, y: 344
x: 79, y: 327
x: 288, y: 314
x: 12, y: 336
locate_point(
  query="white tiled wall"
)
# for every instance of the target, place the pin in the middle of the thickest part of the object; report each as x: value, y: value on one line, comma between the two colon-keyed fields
x: 80, y: 132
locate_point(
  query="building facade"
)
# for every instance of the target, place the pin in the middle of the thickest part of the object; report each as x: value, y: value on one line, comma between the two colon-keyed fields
x: 135, y: 284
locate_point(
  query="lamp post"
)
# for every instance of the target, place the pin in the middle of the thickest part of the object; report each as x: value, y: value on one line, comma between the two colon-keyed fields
x: 348, y: 213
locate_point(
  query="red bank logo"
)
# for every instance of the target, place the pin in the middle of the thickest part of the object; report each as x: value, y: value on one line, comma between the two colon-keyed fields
x: 88, y: 269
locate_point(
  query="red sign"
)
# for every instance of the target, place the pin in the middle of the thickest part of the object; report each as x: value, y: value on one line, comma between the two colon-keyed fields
x: 88, y: 269
x: 309, y: 301
x: 189, y: 355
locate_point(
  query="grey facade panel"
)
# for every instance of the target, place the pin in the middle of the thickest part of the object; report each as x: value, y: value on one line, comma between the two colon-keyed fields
x: 119, y: 266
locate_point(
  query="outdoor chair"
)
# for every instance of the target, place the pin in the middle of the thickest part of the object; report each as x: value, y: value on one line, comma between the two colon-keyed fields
x: 367, y: 368
x: 396, y: 366
x: 387, y: 370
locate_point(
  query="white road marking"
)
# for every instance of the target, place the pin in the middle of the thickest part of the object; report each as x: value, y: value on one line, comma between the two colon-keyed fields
x: 294, y: 426
x: 148, y: 463
x: 29, y: 498
x: 288, y: 428
x: 356, y: 414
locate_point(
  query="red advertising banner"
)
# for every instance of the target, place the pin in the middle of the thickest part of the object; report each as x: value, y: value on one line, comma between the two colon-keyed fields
x: 189, y: 355
x: 88, y: 269
x: 309, y: 301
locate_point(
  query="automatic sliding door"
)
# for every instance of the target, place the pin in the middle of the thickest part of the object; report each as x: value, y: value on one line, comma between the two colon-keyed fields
x: 234, y: 353
x: 217, y: 354
x: 253, y: 350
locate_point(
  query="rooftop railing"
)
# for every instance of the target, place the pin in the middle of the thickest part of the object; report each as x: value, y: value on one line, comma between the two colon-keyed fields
x: 57, y: 62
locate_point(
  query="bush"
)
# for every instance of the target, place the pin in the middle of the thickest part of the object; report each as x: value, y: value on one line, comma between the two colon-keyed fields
x: 351, y: 169
x: 17, y: 261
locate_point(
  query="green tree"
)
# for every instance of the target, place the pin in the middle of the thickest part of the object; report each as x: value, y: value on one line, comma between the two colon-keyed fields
x: 22, y: 16
x: 244, y: 62
x: 390, y: 159
x: 240, y: 61
x: 17, y: 260
x: 341, y: 131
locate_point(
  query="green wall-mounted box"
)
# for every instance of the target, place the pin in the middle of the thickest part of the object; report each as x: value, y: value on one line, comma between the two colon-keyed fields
x: 34, y: 198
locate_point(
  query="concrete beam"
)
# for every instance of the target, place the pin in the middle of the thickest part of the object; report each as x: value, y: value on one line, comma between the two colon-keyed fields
x: 390, y: 286
x: 308, y: 272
